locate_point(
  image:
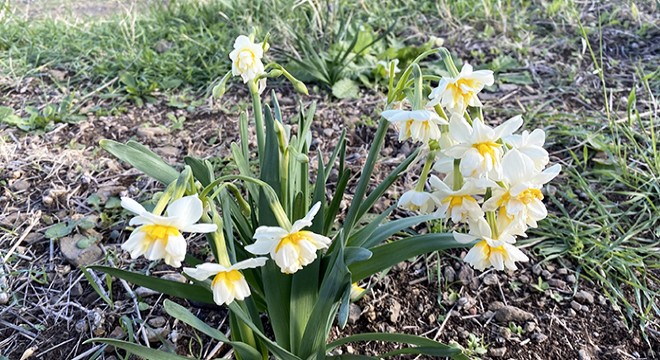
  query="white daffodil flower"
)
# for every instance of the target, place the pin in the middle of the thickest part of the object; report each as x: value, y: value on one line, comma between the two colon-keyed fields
x: 421, y: 201
x: 419, y: 125
x: 291, y: 249
x: 460, y: 205
x: 478, y: 146
x: 531, y: 145
x: 457, y: 93
x: 228, y: 282
x: 522, y: 197
x: 356, y: 291
x: 159, y: 237
x: 246, y: 59
x: 497, y: 251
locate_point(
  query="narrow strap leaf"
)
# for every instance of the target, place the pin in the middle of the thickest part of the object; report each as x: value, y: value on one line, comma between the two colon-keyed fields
x: 139, y: 350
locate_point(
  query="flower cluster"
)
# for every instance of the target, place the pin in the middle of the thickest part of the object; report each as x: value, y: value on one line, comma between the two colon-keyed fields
x: 486, y: 177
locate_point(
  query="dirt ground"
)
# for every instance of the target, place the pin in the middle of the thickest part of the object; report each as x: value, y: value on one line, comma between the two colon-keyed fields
x: 48, y: 309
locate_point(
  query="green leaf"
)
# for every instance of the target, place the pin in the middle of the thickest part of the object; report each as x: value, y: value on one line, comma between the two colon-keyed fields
x: 58, y: 230
x: 168, y: 287
x: 345, y: 89
x: 139, y: 350
x: 142, y: 159
x: 202, y: 170
x: 356, y: 254
x: 96, y: 288
x: 390, y: 254
x: 177, y: 311
x: 384, y: 231
x: 424, y: 345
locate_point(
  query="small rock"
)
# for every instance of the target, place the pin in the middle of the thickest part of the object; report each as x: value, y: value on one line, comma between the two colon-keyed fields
x: 495, y: 305
x: 118, y: 333
x: 145, y: 292
x: 449, y: 274
x: 585, y: 308
x: 536, y: 269
x: 158, y: 321
x: 576, y: 305
x: 175, y: 277
x: 76, y: 290
x: 168, y: 151
x: 524, y: 279
x: 584, y: 297
x: 512, y: 313
x: 354, y: 313
x: 81, y: 326
x: 562, y: 271
x: 497, y: 352
x: 571, y: 279
x: 465, y: 275
x: 328, y: 132
x: 571, y: 313
x: 20, y: 185
x: 487, y: 315
x: 490, y: 279
x: 506, y: 333
x: 4, y: 298
x: 557, y: 283
x: 601, y: 300
x: 77, y: 256
x: 149, y: 132
x: 530, y: 326
x: 395, y: 311
x: 539, y: 337
x: 546, y: 274
x: 154, y: 335
x: 583, y: 355
x: 551, y: 268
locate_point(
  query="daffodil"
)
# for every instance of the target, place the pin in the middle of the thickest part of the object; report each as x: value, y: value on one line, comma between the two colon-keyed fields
x: 478, y: 145
x: 421, y: 201
x: 419, y: 125
x: 459, y: 205
x: 457, y: 93
x: 530, y: 145
x: 496, y: 250
x: 290, y: 248
x: 246, y: 59
x: 228, y: 283
x: 521, y: 197
x: 159, y: 237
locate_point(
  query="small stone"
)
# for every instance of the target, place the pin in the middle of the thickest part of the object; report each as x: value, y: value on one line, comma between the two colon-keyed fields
x: 562, y: 271
x: 546, y: 274
x: 530, y: 326
x: 506, y: 333
x: 557, y: 283
x: 495, y: 305
x: 512, y: 313
x: 449, y: 274
x: 497, y: 352
x: 576, y: 305
x: 145, y: 292
x: 118, y: 333
x: 76, y: 290
x: 463, y: 334
x: 81, y: 326
x: 571, y: 279
x: 354, y: 313
x: 524, y: 279
x: 584, y: 297
x: 395, y: 311
x: 465, y: 275
x: 168, y: 151
x: 571, y: 313
x: 20, y: 185
x: 487, y: 315
x: 150, y: 132
x: 539, y: 337
x: 583, y: 355
x: 4, y: 298
x: 601, y: 300
x: 328, y: 132
x: 585, y: 308
x: 175, y: 277
x: 154, y: 335
x: 158, y: 321
x: 536, y: 269
x: 490, y: 279
x: 77, y: 256
x: 551, y: 268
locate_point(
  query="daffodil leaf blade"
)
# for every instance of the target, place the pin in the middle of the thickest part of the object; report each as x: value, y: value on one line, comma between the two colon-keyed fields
x: 139, y: 350
x: 421, y: 345
x: 143, y: 159
x: 384, y: 231
x: 201, y: 169
x: 168, y: 287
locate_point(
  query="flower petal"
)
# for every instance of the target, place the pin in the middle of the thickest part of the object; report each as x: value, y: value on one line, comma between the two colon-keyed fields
x: 132, y: 206
x: 185, y: 211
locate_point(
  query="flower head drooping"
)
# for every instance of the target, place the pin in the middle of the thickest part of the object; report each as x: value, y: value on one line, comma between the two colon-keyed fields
x: 478, y: 146
x: 457, y: 93
x: 291, y: 249
x: 419, y: 125
x: 246, y: 59
x: 459, y: 205
x: 421, y: 201
x: 496, y: 250
x: 522, y: 197
x: 159, y: 237
x: 228, y: 282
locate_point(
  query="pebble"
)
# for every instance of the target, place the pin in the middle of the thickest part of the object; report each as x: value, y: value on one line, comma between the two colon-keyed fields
x: 20, y: 185
x: 168, y: 151
x: 539, y: 337
x: 487, y: 315
x: 450, y: 274
x: 512, y: 313
x: 571, y: 313
x: 506, y: 333
x: 145, y: 292
x: 76, y: 290
x: 562, y: 271
x: 571, y: 279
x: 530, y: 326
x: 524, y: 279
x: 157, y: 321
x: 536, y: 269
x: 81, y: 326
x: 154, y: 335
x: 118, y: 333
x: 601, y: 300
x: 495, y: 305
x: 354, y: 313
x: 175, y: 277
x: 556, y: 283
x: 77, y: 256
x: 465, y: 275
x: 584, y: 297
x: 497, y: 352
x: 576, y: 305
x: 395, y: 311
x: 490, y: 279
x: 546, y: 274
x: 583, y: 355
x: 150, y: 132
x: 4, y: 298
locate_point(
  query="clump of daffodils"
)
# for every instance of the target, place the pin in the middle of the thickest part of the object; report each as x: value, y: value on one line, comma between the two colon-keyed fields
x: 476, y: 174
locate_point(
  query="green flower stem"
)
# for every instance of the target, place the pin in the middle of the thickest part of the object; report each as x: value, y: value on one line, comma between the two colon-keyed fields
x: 458, y: 177
x: 218, y: 238
x: 418, y: 99
x: 441, y: 112
x: 258, y: 116
x: 490, y: 215
x: 449, y: 62
x: 164, y: 199
x: 425, y: 171
x: 242, y: 203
